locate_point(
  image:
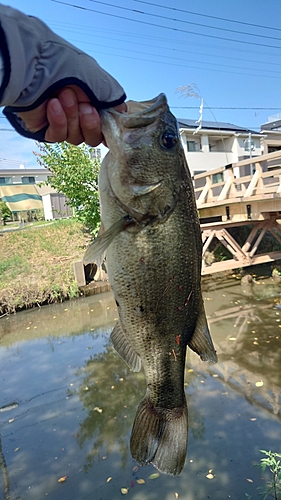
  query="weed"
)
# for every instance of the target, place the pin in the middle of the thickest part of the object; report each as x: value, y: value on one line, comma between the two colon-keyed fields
x: 272, y: 462
x: 36, y: 264
x: 273, y: 486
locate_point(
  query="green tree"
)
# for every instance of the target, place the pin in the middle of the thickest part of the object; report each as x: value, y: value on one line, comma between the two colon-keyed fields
x: 5, y: 212
x: 76, y: 176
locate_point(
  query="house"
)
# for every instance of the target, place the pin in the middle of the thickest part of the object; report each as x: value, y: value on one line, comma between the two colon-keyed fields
x: 271, y: 138
x: 54, y: 203
x: 216, y: 144
x: 22, y: 191
x: 23, y: 176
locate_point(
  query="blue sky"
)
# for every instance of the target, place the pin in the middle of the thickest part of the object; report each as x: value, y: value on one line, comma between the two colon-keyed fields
x: 229, y: 50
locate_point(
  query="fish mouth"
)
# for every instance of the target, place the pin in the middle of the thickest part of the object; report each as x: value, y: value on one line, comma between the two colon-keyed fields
x: 139, y: 114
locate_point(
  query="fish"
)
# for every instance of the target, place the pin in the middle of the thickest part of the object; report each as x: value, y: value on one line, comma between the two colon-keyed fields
x: 152, y: 244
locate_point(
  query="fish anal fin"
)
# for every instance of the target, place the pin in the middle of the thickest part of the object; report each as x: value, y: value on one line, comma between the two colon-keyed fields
x: 122, y: 345
x: 201, y: 341
x: 160, y: 436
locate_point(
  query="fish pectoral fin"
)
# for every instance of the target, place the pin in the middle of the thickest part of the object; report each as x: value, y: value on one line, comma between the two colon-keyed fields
x: 159, y: 436
x: 124, y: 348
x: 102, y: 242
x: 201, y: 341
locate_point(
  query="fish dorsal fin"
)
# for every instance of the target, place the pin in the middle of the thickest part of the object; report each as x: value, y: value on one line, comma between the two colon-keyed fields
x: 102, y: 242
x: 201, y: 341
x: 122, y: 345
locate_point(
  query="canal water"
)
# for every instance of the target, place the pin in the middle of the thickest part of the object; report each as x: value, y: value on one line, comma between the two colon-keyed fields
x: 68, y: 401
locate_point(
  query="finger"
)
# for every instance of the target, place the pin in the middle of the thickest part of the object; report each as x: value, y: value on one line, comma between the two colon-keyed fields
x: 68, y: 100
x: 57, y: 130
x: 35, y: 119
x: 90, y: 124
x: 121, y: 107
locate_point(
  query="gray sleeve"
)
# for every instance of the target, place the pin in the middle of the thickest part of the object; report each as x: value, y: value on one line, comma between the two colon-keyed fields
x: 37, y: 63
x: 1, y: 68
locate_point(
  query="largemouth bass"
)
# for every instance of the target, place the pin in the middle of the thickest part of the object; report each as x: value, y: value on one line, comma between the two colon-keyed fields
x: 152, y: 239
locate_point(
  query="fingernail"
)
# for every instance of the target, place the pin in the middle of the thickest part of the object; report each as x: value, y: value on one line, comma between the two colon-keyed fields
x: 67, y: 98
x: 55, y: 106
x: 85, y: 108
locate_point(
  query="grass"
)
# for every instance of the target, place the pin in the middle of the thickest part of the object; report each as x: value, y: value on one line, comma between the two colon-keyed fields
x: 36, y: 264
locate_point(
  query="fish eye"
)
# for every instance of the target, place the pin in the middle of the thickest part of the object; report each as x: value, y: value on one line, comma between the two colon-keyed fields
x: 169, y: 139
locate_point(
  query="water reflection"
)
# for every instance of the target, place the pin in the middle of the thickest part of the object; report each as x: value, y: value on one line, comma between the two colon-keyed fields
x: 110, y: 393
x: 77, y: 401
x: 248, y: 339
x: 5, y: 474
x: 69, y: 318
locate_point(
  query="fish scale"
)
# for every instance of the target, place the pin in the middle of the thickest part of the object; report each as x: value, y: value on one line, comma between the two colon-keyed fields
x: 156, y: 276
x: 152, y: 239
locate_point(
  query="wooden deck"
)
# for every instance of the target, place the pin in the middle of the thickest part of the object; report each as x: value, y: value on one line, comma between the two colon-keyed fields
x: 227, y: 198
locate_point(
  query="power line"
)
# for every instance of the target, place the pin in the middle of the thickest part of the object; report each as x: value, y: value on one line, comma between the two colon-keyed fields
x: 10, y: 160
x: 165, y: 27
x: 209, y: 16
x: 262, y: 64
x: 243, y: 73
x: 182, y: 20
x: 93, y: 32
x: 230, y: 107
x: 176, y: 50
x: 181, y: 59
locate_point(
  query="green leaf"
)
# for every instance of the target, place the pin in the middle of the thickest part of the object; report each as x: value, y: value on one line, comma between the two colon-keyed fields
x: 154, y: 476
x: 75, y: 174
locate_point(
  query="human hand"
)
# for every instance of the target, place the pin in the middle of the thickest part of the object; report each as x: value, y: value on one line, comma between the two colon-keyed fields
x: 70, y: 116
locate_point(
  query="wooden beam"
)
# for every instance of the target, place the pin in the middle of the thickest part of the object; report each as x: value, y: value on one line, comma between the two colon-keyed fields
x: 208, y: 241
x: 204, y: 192
x: 248, y: 243
x: 256, y: 245
x: 225, y: 265
x: 225, y: 189
x: 253, y: 183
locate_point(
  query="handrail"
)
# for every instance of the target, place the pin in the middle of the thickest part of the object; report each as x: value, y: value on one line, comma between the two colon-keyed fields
x: 235, y: 186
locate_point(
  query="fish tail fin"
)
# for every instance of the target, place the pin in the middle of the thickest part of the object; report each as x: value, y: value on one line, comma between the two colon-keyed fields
x: 201, y: 341
x: 160, y: 437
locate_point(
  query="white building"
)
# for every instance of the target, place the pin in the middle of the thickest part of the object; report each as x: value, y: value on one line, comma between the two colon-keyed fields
x: 23, y: 176
x: 216, y: 144
x: 271, y: 131
x: 21, y: 190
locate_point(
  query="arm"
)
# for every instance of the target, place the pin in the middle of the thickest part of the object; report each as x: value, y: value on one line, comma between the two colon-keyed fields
x: 44, y: 73
x: 1, y: 69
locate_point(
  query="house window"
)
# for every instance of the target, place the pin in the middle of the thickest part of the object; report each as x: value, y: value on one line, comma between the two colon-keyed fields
x: 5, y: 180
x: 95, y: 153
x: 28, y: 180
x: 216, y: 178
x: 191, y: 145
x: 272, y: 149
